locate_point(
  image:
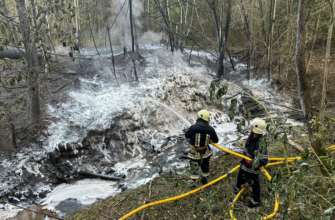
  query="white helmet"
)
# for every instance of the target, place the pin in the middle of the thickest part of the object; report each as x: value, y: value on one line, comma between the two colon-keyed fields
x: 258, y: 125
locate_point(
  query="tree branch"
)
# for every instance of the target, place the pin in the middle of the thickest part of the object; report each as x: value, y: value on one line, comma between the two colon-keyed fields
x: 30, y: 210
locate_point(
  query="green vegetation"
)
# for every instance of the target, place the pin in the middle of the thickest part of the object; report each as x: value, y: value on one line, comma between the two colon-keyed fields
x: 303, y: 185
x: 312, y: 194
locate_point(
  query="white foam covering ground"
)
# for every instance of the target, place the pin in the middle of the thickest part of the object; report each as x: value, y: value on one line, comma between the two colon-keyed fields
x: 88, y: 109
x: 85, y: 191
x: 8, y: 211
x: 95, y: 109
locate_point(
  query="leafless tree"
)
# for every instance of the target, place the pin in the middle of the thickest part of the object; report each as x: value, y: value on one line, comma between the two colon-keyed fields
x: 132, y: 37
x: 303, y: 85
x: 33, y: 101
x: 326, y: 69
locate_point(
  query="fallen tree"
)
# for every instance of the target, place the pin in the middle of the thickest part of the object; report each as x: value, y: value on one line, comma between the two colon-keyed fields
x: 15, y: 53
x: 12, y: 53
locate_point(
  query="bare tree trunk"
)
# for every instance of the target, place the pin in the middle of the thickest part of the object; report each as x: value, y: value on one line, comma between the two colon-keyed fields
x: 125, y: 51
x: 79, y: 26
x: 132, y: 37
x: 113, y: 60
x: 289, y: 11
x: 315, y: 34
x: 145, y: 16
x: 136, y: 39
x: 304, y: 92
x: 165, y: 17
x: 247, y: 27
x: 263, y: 22
x: 187, y: 29
x: 91, y: 29
x: 49, y: 38
x: 230, y: 58
x: 272, y: 24
x: 33, y: 99
x: 279, y: 54
x: 185, y: 23
x: 172, y: 39
x: 325, y: 77
x: 218, y: 27
x: 4, y: 6
x: 148, y: 14
x: 167, y: 9
x: 76, y: 5
x: 180, y: 26
x: 226, y: 33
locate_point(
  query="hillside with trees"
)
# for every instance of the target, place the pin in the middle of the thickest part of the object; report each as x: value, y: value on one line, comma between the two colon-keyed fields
x: 277, y: 55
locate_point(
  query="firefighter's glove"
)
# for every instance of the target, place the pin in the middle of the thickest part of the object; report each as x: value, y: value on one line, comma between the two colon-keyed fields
x: 249, y: 162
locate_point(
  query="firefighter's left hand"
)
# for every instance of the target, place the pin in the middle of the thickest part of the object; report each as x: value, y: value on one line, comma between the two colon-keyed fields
x: 249, y: 162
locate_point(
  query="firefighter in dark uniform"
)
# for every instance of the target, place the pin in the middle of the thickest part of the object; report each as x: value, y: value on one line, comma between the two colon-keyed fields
x: 256, y: 149
x: 200, y: 135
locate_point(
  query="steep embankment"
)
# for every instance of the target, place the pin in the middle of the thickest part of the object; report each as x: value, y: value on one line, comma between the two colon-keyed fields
x: 114, y: 131
x: 304, y: 192
x: 133, y: 132
x: 213, y: 202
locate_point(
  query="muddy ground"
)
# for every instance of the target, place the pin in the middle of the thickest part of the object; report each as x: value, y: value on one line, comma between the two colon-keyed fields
x: 30, y: 174
x: 54, y: 90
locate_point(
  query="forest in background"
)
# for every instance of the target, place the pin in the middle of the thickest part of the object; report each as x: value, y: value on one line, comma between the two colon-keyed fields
x: 288, y: 42
x: 264, y: 31
x: 277, y: 39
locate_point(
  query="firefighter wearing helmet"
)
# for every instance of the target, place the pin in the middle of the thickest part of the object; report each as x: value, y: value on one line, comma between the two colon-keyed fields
x: 255, y: 147
x: 200, y: 135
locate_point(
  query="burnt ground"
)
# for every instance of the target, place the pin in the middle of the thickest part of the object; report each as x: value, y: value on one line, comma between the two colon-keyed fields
x: 65, y: 76
x: 54, y: 88
x: 17, y: 136
x: 18, y: 183
x: 215, y: 201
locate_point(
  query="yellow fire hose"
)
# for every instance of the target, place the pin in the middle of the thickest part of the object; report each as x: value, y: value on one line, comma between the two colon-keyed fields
x: 331, y: 148
x: 240, y: 192
x: 230, y: 152
x: 232, y: 205
x: 291, y: 158
x: 178, y: 197
x: 282, y: 160
x: 247, y: 158
x: 277, y: 163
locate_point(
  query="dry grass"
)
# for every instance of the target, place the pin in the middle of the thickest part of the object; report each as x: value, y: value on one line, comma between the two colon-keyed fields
x: 305, y: 192
x: 214, y: 202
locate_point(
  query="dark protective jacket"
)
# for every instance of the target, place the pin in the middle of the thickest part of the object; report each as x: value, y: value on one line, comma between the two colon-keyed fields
x: 257, y: 153
x: 200, y: 135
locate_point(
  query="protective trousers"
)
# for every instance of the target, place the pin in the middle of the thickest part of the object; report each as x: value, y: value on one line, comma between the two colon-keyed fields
x: 200, y: 170
x: 253, y: 181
